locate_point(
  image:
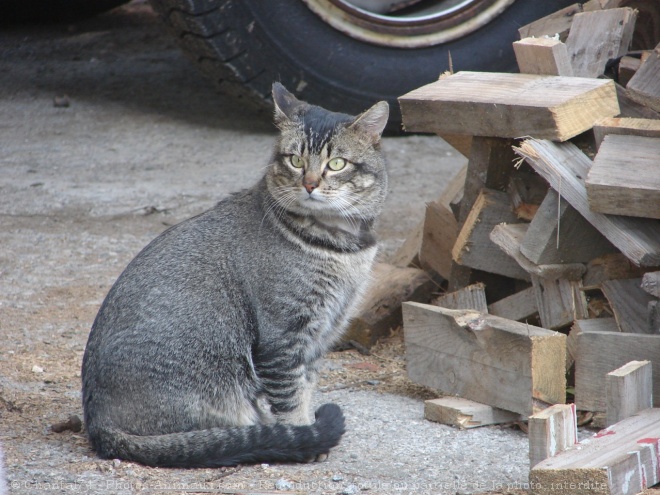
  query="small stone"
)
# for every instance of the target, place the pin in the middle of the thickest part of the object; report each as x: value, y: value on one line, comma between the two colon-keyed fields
x: 116, y: 463
x: 337, y: 477
x: 283, y: 484
x: 373, y: 382
x: 37, y: 369
x: 350, y: 490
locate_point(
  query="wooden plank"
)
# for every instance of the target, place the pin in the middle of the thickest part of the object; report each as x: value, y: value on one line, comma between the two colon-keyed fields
x: 490, y: 165
x: 644, y: 87
x: 473, y: 246
x: 491, y: 360
x: 380, y: 311
x: 518, y: 307
x: 590, y: 325
x: 651, y: 283
x: 556, y: 24
x: 509, y: 105
x: 598, y: 353
x: 612, y: 266
x: 509, y: 237
x: 408, y: 253
x: 460, y: 142
x: 526, y: 190
x: 559, y: 234
x: 560, y: 302
x: 630, y: 108
x: 470, y: 297
x: 621, y: 460
x: 598, y: 36
x: 542, y: 56
x: 626, y: 126
x: 464, y: 413
x: 630, y: 304
x: 438, y: 237
x: 565, y: 167
x: 551, y: 431
x: 625, y: 177
x: 629, y: 390
x: 627, y: 67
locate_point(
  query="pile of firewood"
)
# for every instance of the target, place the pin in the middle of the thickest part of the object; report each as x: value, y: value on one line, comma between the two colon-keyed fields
x: 548, y: 243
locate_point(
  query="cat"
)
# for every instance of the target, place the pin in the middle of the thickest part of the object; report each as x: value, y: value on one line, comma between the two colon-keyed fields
x: 205, y: 351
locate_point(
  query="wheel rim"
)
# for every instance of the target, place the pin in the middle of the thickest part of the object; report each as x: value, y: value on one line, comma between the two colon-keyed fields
x: 407, y: 23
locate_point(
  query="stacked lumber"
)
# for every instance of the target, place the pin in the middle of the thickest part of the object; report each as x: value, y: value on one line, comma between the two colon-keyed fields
x: 550, y: 254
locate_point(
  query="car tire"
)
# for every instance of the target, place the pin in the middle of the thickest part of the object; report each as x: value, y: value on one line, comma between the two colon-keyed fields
x: 245, y: 45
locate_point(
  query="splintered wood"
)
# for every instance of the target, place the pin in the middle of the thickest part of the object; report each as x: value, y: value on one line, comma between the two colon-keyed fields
x: 565, y: 167
x: 509, y: 105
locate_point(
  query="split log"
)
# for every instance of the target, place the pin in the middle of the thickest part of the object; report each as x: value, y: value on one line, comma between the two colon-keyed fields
x: 644, y: 87
x: 599, y: 352
x: 509, y: 105
x: 463, y: 413
x: 509, y: 237
x: 545, y: 56
x: 559, y: 23
x: 438, y: 237
x: 590, y: 325
x: 566, y: 167
x: 622, y: 459
x: 490, y: 165
x: 625, y: 177
x: 629, y: 390
x: 551, y: 431
x: 474, y: 248
x: 560, y: 302
x: 559, y: 234
x: 520, y: 306
x: 485, y: 358
x: 612, y: 266
x: 630, y: 305
x: 598, y: 36
x: 470, y: 297
x: 626, y: 126
x: 380, y: 312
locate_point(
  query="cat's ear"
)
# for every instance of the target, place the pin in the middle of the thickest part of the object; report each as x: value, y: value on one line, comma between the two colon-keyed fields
x: 372, y: 122
x: 285, y: 105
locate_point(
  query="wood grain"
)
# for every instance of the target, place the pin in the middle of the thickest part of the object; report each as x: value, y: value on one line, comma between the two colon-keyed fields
x: 630, y: 304
x: 559, y: 234
x: 551, y: 431
x: 485, y: 358
x: 625, y: 177
x: 623, y: 459
x: 600, y: 352
x: 565, y: 167
x: 629, y: 390
x: 509, y: 105
x: 545, y: 56
x: 598, y: 36
x: 464, y: 413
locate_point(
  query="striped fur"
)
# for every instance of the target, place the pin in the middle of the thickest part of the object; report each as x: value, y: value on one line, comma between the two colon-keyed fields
x: 205, y: 351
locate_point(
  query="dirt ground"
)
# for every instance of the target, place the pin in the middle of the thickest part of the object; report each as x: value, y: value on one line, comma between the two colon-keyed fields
x: 107, y: 136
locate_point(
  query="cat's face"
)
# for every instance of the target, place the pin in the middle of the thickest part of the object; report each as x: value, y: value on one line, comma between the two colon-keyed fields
x: 327, y: 164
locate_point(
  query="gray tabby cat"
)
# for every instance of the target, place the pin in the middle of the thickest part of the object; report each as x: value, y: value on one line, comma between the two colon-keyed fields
x: 205, y: 351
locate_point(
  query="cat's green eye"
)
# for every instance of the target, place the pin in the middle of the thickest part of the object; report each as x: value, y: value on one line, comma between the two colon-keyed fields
x: 336, y: 164
x: 297, y: 161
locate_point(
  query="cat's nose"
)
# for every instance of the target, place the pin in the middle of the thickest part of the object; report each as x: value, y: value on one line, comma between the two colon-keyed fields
x: 310, y: 184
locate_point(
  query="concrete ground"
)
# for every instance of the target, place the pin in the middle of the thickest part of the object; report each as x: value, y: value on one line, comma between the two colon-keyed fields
x: 107, y: 136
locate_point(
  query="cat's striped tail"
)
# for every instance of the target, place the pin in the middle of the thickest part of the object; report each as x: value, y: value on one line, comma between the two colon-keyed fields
x: 229, y: 446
